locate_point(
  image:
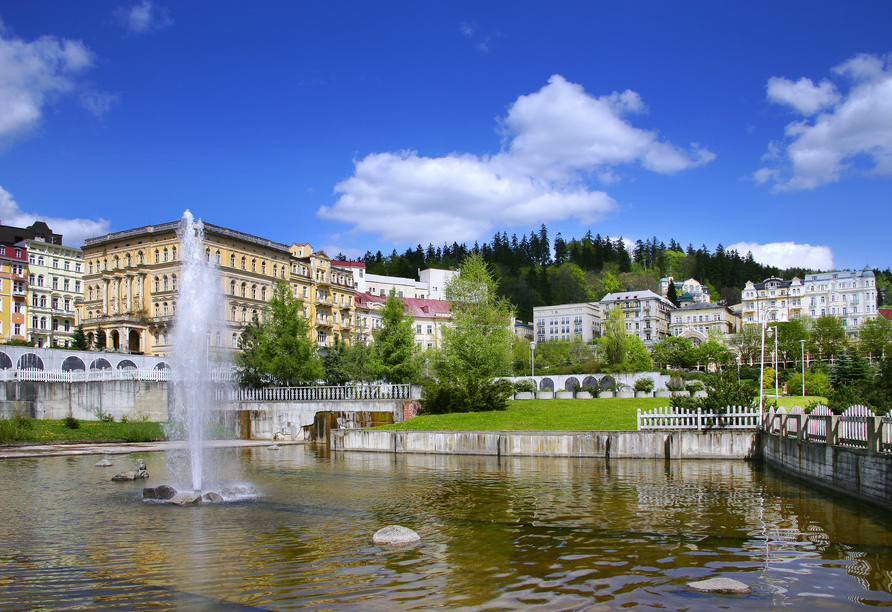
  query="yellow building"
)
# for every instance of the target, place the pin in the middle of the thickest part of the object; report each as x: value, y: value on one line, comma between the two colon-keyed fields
x: 13, y: 292
x: 131, y: 285
x: 327, y: 292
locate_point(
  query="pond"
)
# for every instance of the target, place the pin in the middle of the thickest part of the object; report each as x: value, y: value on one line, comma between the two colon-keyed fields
x: 515, y: 534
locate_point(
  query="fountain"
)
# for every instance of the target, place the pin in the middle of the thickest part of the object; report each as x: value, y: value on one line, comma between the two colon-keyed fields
x: 199, y: 307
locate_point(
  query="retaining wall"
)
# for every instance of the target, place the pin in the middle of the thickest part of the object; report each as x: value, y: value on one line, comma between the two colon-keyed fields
x: 607, y: 444
x: 860, y: 473
x: 120, y: 398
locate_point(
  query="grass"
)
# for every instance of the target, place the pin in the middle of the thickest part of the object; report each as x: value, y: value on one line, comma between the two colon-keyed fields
x: 40, y: 430
x: 614, y: 414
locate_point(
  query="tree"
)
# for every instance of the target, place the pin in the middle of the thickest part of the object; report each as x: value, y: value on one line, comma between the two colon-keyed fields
x: 396, y: 356
x: 79, y: 339
x: 788, y: 341
x: 876, y: 336
x: 477, y: 346
x: 674, y: 351
x: 714, y: 353
x: 100, y: 338
x: 479, y: 338
x: 279, y: 350
x: 672, y: 294
x: 613, y: 342
x: 335, y: 364
x: 827, y: 336
x: 637, y: 357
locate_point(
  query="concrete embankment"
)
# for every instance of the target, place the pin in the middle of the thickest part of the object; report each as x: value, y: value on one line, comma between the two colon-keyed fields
x: 608, y: 444
x: 859, y: 473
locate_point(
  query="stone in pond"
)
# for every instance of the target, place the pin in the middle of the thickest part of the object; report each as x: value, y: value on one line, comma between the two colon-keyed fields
x: 186, y: 499
x: 210, y: 496
x: 395, y: 534
x: 160, y: 492
x: 104, y: 463
x: 719, y: 585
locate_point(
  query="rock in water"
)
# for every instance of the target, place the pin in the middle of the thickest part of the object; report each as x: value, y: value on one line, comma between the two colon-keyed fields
x: 186, y: 499
x: 131, y: 475
x: 395, y: 534
x: 273, y: 447
x: 720, y: 585
x: 138, y: 472
x: 161, y: 492
x: 104, y: 463
x: 210, y: 496
x: 140, y: 465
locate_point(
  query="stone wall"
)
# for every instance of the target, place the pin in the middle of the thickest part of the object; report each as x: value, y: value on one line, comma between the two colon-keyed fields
x: 631, y: 444
x: 860, y: 473
x: 120, y: 398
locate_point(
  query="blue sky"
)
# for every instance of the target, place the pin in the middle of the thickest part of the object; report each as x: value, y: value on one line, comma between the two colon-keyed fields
x: 362, y: 126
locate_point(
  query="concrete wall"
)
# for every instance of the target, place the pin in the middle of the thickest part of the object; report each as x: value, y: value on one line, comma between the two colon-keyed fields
x: 120, y: 398
x: 864, y: 474
x: 53, y: 358
x: 560, y: 380
x: 632, y: 444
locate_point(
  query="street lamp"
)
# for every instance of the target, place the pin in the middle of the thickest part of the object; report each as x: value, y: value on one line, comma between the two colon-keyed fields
x: 764, y: 321
x: 802, y: 342
x: 738, y: 369
x: 533, y: 358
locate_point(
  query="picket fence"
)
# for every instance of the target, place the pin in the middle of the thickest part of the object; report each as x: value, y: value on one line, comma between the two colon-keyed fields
x: 857, y: 427
x: 670, y: 417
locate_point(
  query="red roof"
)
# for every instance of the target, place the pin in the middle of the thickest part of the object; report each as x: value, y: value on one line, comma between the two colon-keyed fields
x: 352, y: 264
x: 886, y: 313
x: 419, y: 307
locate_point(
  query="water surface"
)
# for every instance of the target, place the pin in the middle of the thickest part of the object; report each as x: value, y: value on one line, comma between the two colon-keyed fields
x: 509, y: 534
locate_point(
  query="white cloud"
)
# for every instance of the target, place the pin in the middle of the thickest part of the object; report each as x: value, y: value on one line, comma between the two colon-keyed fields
x: 785, y: 255
x: 852, y: 134
x: 34, y: 73
x: 553, y: 142
x: 74, y: 231
x: 143, y: 17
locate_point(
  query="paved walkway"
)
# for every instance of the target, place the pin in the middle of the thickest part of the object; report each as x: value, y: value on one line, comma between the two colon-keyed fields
x: 119, y: 448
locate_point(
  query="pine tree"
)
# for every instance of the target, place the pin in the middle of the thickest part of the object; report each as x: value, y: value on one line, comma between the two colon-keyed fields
x: 100, y: 339
x: 396, y: 356
x: 79, y: 339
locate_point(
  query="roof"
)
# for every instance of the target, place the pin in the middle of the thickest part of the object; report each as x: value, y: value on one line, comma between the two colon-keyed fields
x: 701, y: 306
x: 886, y: 313
x: 646, y: 294
x: 348, y: 264
x: 420, y: 307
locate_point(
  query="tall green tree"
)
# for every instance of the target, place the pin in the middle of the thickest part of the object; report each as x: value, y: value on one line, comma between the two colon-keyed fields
x: 613, y: 341
x: 480, y: 337
x: 875, y: 336
x: 826, y: 336
x: 278, y: 350
x: 100, y: 339
x: 79, y: 339
x: 396, y: 354
x: 675, y: 351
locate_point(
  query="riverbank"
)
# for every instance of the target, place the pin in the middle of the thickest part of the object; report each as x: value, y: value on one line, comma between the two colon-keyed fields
x: 21, y: 451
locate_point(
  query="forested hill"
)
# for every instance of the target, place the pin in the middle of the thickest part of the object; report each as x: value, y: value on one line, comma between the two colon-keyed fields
x: 537, y: 271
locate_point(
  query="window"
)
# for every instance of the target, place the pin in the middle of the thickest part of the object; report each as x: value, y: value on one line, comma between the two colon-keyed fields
x: 40, y: 260
x: 55, y: 283
x: 42, y: 322
x: 174, y: 253
x: 77, y: 266
x: 207, y: 254
x: 157, y: 256
x: 43, y: 301
x: 67, y: 326
x: 165, y: 254
x: 253, y: 265
x: 67, y: 305
x: 232, y: 260
x: 65, y: 285
x: 244, y: 263
x: 34, y: 322
x: 263, y: 293
x: 430, y: 329
x: 232, y: 314
x: 40, y: 281
x: 165, y: 283
x: 173, y: 280
x: 18, y: 307
x: 244, y: 315
x: 253, y: 292
x: 157, y: 310
x: 418, y: 329
x: 165, y: 309
x: 18, y: 329
x: 232, y: 287
x: 244, y: 289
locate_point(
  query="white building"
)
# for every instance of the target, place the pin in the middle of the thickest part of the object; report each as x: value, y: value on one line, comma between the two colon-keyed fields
x: 431, y: 283
x: 850, y: 295
x: 698, y: 321
x: 567, y: 322
x: 55, y: 277
x: 646, y: 314
x: 428, y: 318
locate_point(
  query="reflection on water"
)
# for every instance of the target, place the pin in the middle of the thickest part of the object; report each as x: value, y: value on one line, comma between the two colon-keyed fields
x: 521, y: 533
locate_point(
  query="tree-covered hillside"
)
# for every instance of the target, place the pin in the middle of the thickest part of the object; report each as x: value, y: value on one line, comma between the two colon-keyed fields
x: 535, y: 270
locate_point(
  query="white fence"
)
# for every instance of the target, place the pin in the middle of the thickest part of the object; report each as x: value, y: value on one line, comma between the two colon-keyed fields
x: 857, y: 427
x: 85, y: 375
x: 316, y: 394
x: 670, y: 417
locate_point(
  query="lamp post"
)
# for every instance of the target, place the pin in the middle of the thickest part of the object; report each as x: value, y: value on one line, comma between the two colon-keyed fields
x: 533, y: 358
x: 764, y: 321
x: 738, y: 369
x: 802, y: 342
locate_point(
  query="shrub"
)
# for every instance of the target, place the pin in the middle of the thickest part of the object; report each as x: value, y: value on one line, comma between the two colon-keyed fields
x: 694, y: 385
x: 675, y: 383
x: 71, y: 422
x: 466, y: 394
x: 524, y: 385
x: 101, y: 415
x: 645, y: 384
x: 139, y: 431
x: 9, y: 430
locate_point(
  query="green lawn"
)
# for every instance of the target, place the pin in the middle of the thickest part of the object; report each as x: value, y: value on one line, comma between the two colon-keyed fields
x: 612, y: 414
x: 40, y: 430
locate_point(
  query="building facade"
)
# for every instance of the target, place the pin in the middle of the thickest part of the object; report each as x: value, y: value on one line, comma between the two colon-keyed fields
x: 13, y: 292
x: 698, y: 291
x: 646, y: 314
x: 55, y: 286
x: 850, y: 295
x: 327, y: 292
x: 700, y: 321
x: 131, y: 285
x: 567, y: 322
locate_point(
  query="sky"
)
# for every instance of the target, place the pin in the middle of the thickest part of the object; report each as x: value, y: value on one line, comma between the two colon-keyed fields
x: 365, y: 126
